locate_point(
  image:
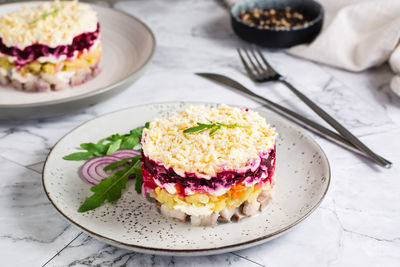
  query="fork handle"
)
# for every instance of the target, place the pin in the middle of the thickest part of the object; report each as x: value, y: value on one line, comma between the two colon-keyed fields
x: 336, y: 125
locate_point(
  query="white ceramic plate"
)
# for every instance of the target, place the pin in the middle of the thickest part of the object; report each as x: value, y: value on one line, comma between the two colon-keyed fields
x: 128, y: 46
x: 302, y: 180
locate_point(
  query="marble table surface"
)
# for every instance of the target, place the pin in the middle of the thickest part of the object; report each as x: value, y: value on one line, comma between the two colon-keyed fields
x: 358, y: 223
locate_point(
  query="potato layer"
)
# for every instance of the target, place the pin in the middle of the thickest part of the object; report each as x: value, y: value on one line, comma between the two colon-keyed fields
x: 232, y: 199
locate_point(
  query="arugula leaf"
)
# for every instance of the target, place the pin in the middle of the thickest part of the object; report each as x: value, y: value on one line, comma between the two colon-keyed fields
x: 78, y: 156
x: 95, y: 148
x: 109, y: 189
x: 138, y: 177
x: 136, y: 132
x: 114, y: 146
x: 129, y: 142
x: 116, y: 164
x: 89, y: 146
x: 108, y: 145
x: 97, y: 154
x: 113, y: 137
x: 147, y: 125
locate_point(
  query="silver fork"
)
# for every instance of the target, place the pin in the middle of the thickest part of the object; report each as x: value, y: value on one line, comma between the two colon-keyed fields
x: 259, y: 70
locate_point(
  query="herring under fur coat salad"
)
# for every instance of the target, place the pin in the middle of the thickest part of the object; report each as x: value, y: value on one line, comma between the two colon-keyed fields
x: 201, y: 165
x: 49, y: 47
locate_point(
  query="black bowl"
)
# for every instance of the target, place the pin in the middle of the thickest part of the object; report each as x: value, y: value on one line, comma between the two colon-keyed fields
x: 278, y: 38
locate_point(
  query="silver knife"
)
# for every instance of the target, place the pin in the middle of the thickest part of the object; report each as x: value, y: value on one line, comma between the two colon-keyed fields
x: 291, y: 115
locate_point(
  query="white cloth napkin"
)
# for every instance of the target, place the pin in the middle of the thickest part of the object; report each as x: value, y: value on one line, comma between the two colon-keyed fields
x: 358, y: 34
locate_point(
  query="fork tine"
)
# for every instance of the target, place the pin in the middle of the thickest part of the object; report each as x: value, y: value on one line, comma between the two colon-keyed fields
x: 251, y: 61
x: 264, y: 60
x: 246, y: 66
x: 260, y: 65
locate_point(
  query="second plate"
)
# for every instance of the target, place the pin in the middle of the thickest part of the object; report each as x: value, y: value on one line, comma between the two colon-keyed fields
x: 128, y: 46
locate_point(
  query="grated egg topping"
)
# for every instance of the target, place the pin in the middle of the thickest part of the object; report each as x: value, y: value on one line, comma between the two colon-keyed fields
x: 228, y: 149
x: 27, y: 26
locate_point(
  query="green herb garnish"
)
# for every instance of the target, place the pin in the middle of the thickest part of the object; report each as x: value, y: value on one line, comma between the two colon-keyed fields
x: 110, y: 189
x: 45, y: 15
x: 116, y: 164
x: 137, y: 170
x: 107, y: 146
x: 213, y: 127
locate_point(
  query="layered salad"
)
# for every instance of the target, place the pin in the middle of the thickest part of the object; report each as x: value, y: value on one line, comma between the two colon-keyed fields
x: 49, y: 47
x: 207, y: 165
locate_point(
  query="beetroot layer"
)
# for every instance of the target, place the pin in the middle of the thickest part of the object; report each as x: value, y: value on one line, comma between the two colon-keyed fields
x: 34, y: 51
x: 225, y: 179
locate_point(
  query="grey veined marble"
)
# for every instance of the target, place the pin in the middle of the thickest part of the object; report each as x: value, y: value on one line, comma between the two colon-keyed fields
x: 358, y: 222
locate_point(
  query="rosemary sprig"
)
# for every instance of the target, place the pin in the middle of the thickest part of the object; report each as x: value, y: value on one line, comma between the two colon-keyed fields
x: 45, y: 15
x: 212, y: 126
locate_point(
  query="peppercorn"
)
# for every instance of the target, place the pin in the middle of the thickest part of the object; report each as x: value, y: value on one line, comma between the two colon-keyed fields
x: 273, y: 18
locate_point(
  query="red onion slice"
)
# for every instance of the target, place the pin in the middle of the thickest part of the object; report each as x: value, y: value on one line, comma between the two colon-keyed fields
x: 126, y: 153
x: 93, y: 171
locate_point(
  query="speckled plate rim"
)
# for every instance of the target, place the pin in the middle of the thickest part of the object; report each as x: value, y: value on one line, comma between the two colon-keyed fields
x: 193, y: 252
x: 124, y: 81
